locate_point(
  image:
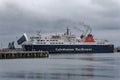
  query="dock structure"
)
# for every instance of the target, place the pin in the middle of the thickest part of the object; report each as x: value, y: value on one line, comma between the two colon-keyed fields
x: 117, y: 49
x: 23, y: 54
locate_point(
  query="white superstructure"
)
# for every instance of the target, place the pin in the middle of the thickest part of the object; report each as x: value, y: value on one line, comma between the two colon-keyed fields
x: 66, y: 38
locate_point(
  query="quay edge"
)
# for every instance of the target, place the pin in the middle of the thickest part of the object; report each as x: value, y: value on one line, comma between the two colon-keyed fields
x: 23, y: 54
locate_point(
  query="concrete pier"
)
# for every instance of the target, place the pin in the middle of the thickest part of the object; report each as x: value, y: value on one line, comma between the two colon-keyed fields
x: 23, y: 54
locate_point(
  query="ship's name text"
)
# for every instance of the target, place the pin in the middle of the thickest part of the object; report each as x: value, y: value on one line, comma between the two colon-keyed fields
x: 75, y: 49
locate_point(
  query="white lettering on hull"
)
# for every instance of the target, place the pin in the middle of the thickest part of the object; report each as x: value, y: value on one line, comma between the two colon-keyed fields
x: 83, y: 49
x: 75, y: 49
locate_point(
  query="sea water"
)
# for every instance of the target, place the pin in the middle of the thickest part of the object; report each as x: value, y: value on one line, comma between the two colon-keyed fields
x: 105, y: 66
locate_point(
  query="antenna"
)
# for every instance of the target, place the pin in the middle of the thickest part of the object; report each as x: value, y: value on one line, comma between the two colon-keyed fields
x: 68, y: 31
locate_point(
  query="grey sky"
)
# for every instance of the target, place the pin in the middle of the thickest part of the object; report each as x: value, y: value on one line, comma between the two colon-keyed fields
x: 27, y: 16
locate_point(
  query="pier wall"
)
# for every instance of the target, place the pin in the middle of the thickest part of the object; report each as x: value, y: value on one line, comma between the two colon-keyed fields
x: 23, y: 54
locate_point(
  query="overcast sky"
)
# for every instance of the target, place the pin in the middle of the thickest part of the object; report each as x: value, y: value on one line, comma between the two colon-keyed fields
x: 48, y: 16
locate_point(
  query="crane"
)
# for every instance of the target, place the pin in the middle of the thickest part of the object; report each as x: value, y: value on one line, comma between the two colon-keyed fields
x: 88, y: 28
x: 82, y: 36
x: 79, y: 30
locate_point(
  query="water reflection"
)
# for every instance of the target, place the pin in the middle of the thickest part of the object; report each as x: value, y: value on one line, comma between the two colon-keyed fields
x: 67, y: 67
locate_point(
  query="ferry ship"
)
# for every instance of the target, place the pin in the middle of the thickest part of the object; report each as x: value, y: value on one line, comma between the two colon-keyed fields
x: 65, y: 43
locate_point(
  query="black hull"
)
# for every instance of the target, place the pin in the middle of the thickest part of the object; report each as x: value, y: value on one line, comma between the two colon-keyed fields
x: 118, y: 50
x: 71, y: 48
